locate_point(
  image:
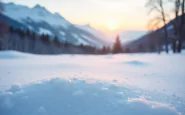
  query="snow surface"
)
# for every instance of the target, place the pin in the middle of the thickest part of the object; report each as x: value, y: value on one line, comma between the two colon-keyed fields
x: 96, y: 33
x: 170, y: 27
x: 92, y: 41
x: 44, y: 31
x: 80, y: 40
x: 124, y: 84
x: 88, y: 28
x: 62, y: 33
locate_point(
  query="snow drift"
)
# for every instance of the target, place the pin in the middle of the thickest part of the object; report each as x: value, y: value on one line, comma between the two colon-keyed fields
x: 77, y: 97
x: 131, y: 84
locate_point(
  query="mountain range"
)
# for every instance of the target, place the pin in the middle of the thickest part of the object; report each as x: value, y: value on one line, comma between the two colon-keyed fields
x: 38, y: 19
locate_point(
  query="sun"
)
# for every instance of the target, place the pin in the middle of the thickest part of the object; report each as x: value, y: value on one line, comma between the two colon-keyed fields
x: 111, y: 27
x: 112, y: 24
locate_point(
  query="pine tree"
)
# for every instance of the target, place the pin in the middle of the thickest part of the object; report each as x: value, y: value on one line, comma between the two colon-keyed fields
x: 140, y: 47
x: 28, y: 34
x: 45, y: 38
x: 117, y: 46
x: 104, y: 50
x: 33, y: 35
x: 11, y: 29
x: 56, y: 41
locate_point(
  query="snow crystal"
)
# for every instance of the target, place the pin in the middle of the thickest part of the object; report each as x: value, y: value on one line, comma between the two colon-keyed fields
x: 96, y: 85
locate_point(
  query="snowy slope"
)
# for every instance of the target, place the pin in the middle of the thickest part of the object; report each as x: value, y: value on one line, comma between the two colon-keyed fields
x: 133, y: 84
x: 37, y: 14
x: 153, y: 37
x: 127, y: 36
x: 40, y: 20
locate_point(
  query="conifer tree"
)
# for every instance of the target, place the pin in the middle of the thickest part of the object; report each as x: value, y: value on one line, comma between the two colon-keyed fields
x: 117, y: 46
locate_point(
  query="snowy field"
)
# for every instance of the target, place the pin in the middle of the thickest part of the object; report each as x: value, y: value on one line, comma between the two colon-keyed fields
x: 124, y: 84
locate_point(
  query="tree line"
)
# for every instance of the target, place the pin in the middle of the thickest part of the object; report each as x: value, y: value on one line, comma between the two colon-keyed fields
x: 28, y: 41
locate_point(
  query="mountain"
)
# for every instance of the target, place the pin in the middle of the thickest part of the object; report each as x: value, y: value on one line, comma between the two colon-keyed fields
x: 41, y: 21
x: 131, y: 35
x: 153, y: 39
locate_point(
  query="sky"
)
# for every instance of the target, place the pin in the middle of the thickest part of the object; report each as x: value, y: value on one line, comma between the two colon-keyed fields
x: 100, y: 14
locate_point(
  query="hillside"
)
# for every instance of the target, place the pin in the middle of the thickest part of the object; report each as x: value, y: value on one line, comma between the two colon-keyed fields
x: 150, y: 41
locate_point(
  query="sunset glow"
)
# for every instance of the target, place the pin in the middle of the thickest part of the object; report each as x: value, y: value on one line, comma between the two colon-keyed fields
x: 103, y: 15
x: 112, y: 24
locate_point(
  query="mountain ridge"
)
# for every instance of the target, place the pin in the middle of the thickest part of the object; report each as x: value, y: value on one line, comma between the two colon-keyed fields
x: 38, y: 18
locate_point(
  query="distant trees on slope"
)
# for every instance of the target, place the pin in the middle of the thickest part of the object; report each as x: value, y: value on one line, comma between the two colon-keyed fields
x: 157, y: 6
x: 28, y: 41
x: 161, y: 16
x: 1, y: 7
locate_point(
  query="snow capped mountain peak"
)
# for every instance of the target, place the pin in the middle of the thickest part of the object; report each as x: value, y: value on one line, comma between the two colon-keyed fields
x: 38, y: 7
x: 87, y: 25
x: 37, y: 14
x: 57, y: 15
x: 41, y: 20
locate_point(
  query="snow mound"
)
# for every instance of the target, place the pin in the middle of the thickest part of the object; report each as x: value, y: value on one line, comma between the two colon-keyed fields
x: 12, y: 54
x: 72, y: 97
x: 135, y: 63
x: 15, y: 88
x: 142, y: 106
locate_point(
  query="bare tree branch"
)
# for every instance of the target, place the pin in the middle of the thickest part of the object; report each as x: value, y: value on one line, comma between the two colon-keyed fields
x: 158, y: 6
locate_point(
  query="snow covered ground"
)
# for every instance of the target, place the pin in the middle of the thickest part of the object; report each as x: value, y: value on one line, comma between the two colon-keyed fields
x: 124, y: 84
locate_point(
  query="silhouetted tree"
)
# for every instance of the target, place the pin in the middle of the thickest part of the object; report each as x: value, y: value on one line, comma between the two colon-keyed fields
x: 104, y: 50
x: 3, y: 25
x: 56, y: 41
x: 45, y: 38
x: 1, y: 7
x: 33, y: 41
x: 81, y: 46
x: 140, y: 47
x: 11, y: 29
x: 108, y: 50
x: 174, y: 46
x: 28, y: 33
x: 117, y: 46
x: 127, y: 50
x: 21, y: 33
x: 158, y: 6
x: 176, y: 23
x: 33, y: 35
x: 182, y: 24
x: 152, y: 47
